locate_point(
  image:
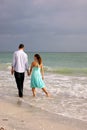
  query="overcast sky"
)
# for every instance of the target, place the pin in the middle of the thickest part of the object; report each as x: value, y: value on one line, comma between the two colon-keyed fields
x: 43, y: 25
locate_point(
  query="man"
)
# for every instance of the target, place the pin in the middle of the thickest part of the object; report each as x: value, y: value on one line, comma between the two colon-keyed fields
x: 19, y: 65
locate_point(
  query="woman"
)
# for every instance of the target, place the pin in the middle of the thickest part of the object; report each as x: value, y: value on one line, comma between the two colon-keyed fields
x: 37, y: 75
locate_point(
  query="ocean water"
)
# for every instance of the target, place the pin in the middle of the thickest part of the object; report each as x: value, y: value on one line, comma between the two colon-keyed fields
x: 65, y: 79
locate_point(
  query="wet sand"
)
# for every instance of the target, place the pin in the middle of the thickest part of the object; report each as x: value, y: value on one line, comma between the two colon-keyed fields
x: 16, y: 117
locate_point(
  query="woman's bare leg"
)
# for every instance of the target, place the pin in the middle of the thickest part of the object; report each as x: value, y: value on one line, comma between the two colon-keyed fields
x: 34, y: 92
x: 45, y: 91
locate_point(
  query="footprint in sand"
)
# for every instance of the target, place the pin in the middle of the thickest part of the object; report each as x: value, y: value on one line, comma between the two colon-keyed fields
x: 5, y: 119
x: 2, y: 128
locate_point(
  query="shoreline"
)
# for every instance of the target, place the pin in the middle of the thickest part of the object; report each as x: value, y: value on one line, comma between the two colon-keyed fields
x: 16, y: 117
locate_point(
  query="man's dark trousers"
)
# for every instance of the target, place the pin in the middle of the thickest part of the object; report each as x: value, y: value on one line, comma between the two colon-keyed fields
x: 19, y: 77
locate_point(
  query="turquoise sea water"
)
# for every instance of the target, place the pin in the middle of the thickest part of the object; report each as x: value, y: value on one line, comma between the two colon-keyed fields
x: 65, y: 79
x: 62, y: 63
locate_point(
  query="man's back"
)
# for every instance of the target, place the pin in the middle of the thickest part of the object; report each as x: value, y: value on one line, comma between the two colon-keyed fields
x: 20, y: 61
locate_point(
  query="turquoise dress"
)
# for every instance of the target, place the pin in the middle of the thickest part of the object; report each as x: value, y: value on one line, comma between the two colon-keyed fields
x: 36, y: 78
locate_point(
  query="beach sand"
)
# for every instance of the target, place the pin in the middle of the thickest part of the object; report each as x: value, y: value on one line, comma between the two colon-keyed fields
x: 16, y: 117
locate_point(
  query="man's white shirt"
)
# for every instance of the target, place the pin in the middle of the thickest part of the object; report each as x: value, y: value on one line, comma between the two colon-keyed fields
x: 20, y: 61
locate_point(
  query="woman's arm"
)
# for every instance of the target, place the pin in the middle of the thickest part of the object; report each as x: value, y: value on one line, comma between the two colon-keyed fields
x: 42, y: 71
x: 31, y: 69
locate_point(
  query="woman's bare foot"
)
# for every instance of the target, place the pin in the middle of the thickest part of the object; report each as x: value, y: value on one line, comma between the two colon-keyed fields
x: 48, y: 95
x: 34, y: 95
x: 34, y: 92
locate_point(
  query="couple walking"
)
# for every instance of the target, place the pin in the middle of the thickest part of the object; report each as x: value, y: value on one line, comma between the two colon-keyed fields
x: 20, y: 65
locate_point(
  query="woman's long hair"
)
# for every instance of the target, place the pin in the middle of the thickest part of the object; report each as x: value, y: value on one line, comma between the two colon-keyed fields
x: 39, y: 59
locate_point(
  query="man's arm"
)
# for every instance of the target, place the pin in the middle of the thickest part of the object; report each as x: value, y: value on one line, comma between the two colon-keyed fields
x: 12, y: 70
x: 13, y: 64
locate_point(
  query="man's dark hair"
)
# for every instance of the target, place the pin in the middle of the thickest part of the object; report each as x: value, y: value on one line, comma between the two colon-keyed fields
x: 21, y: 46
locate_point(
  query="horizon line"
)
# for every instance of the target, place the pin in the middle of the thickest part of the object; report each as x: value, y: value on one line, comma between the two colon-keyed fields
x: 48, y: 51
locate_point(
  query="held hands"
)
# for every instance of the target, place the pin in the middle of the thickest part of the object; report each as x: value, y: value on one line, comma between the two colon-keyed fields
x: 28, y: 73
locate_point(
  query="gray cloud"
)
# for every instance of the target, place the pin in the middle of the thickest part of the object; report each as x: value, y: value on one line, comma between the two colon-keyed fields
x: 43, y: 25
